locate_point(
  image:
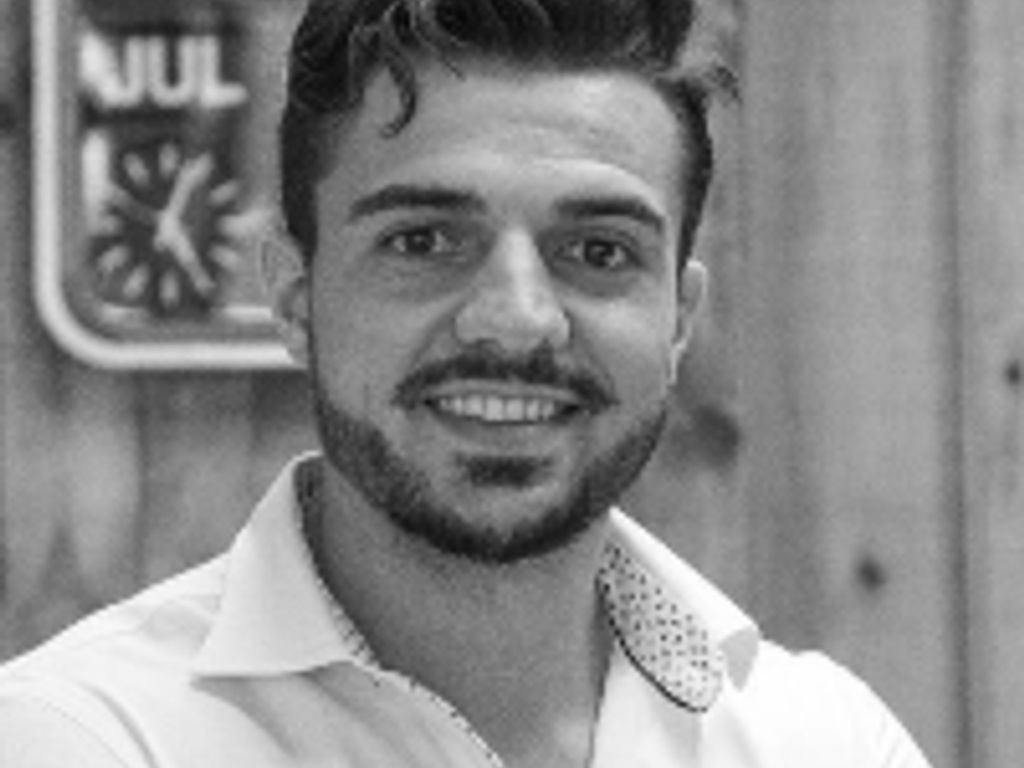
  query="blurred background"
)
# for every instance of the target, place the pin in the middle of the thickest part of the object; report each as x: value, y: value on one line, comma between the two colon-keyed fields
x: 845, y: 454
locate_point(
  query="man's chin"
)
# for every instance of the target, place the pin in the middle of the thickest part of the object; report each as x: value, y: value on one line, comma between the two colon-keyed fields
x: 502, y: 523
x: 492, y: 534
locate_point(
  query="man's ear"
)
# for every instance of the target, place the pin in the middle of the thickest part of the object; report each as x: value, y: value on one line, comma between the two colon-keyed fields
x: 692, y: 288
x: 286, y: 277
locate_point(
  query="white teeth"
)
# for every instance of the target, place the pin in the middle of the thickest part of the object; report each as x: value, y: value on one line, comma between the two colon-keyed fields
x: 494, y: 409
x: 500, y: 410
x: 532, y: 410
x: 515, y: 410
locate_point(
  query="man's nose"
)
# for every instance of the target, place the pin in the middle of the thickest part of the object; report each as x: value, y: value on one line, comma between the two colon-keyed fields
x: 513, y: 303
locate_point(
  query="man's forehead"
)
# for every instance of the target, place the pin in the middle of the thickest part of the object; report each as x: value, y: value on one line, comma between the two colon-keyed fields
x: 609, y: 117
x: 536, y: 129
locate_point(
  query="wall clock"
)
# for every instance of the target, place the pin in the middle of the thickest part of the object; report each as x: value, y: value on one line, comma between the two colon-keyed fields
x: 153, y: 178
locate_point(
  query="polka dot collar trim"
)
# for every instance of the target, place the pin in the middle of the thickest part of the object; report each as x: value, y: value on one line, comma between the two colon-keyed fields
x: 668, y: 643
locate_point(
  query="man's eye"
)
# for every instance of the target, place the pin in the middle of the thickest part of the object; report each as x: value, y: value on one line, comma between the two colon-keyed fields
x: 420, y: 242
x: 600, y: 253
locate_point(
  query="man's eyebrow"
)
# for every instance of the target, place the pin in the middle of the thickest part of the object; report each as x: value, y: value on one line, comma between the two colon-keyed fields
x: 600, y: 206
x: 405, y: 196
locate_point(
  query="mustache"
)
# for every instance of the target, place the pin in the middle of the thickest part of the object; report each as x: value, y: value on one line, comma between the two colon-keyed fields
x: 539, y: 368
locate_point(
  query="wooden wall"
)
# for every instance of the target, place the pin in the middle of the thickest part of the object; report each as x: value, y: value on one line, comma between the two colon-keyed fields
x: 866, y: 335
x: 109, y: 480
x: 848, y: 355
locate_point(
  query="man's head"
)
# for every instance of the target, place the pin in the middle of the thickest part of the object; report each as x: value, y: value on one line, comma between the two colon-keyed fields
x: 484, y: 281
x: 342, y: 44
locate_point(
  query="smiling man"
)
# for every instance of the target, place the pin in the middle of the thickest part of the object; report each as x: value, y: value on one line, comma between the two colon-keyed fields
x: 493, y: 324
x: 483, y: 266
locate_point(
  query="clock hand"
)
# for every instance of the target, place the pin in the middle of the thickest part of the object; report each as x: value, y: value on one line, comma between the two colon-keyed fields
x: 192, y: 175
x: 172, y: 237
x: 131, y: 207
x: 170, y: 230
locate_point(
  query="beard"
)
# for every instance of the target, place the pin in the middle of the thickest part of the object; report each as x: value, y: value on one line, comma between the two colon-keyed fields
x: 394, y: 485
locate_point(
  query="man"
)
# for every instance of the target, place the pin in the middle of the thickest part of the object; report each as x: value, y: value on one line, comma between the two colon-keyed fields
x: 488, y: 207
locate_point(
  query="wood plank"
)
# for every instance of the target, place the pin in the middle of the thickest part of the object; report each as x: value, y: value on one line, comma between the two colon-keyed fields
x: 211, y: 443
x: 196, y: 439
x: 282, y: 428
x: 992, y: 285
x: 847, y: 350
x: 99, y: 447
x: 8, y: 151
x: 33, y: 480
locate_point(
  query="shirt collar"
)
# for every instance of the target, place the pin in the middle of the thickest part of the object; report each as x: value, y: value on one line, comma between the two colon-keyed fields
x: 276, y: 617
x: 273, y: 617
x: 680, y: 630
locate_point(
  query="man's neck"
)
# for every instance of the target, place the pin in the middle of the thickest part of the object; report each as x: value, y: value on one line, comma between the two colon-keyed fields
x: 519, y: 649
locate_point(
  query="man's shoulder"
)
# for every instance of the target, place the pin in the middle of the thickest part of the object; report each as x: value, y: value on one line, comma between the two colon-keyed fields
x: 66, y: 696
x: 806, y: 705
x: 797, y: 672
x: 167, y: 621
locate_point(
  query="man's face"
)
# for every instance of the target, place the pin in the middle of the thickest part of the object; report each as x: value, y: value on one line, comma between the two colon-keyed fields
x: 494, y: 313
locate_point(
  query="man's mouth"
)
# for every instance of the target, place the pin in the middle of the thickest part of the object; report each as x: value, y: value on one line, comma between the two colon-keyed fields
x: 505, y: 410
x: 483, y: 388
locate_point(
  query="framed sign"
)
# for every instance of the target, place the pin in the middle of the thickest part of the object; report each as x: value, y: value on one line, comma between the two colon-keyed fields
x: 153, y: 178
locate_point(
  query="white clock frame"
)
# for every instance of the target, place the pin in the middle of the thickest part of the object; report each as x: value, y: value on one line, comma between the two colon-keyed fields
x: 51, y: 95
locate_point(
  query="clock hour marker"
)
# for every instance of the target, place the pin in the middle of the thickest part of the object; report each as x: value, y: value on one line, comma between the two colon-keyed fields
x: 129, y: 205
x: 113, y: 259
x: 137, y: 283
x: 224, y: 194
x: 136, y: 169
x: 108, y: 225
x: 170, y: 160
x: 240, y: 225
x: 227, y: 259
x: 170, y: 289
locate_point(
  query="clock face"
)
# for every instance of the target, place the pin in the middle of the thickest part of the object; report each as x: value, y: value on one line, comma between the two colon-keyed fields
x: 166, y: 240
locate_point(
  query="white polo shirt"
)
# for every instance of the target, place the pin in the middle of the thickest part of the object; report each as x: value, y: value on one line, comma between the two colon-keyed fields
x: 246, y: 662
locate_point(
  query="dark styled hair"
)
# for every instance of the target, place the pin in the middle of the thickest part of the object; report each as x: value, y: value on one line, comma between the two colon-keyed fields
x: 341, y: 44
